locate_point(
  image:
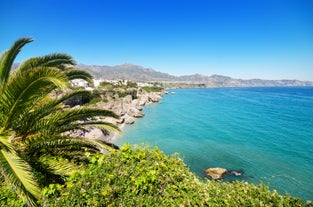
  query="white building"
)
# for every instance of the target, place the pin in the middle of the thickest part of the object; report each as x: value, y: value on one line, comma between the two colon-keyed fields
x: 96, y: 82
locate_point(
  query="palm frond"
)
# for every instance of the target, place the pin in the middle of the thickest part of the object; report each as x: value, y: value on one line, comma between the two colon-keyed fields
x: 56, y: 60
x: 25, y: 88
x: 34, y: 120
x: 58, y: 166
x: 7, y: 58
x: 18, y: 173
x: 106, y: 126
x: 79, y: 93
x: 64, y: 142
x: 79, y: 74
x: 98, y: 124
x: 69, y: 117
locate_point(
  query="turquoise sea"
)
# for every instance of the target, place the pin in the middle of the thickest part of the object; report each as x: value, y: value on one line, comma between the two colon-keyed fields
x: 267, y: 132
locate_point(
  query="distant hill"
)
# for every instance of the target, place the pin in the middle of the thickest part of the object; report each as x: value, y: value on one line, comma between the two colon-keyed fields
x: 126, y: 71
x: 138, y: 73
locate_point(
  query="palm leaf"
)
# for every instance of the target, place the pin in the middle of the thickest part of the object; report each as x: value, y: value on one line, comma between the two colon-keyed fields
x: 58, y: 166
x: 56, y: 60
x: 74, y: 94
x: 18, y: 173
x: 34, y: 120
x: 68, y: 117
x: 79, y: 74
x: 25, y: 88
x: 46, y: 117
x: 64, y: 142
x: 7, y: 58
x: 98, y: 124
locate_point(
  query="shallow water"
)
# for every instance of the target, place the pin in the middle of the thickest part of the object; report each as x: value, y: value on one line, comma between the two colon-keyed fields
x: 267, y: 132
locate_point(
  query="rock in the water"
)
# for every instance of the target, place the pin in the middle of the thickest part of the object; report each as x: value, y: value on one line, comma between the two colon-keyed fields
x: 237, y: 173
x: 147, y: 98
x: 216, y: 173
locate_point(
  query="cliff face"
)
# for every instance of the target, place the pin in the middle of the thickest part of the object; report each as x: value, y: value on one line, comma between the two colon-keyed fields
x: 128, y: 107
x: 138, y: 73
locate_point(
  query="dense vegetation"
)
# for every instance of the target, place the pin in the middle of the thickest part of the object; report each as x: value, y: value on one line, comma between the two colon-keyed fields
x: 147, y: 177
x: 155, y: 88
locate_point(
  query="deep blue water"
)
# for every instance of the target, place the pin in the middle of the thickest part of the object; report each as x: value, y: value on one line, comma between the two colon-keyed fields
x: 267, y: 132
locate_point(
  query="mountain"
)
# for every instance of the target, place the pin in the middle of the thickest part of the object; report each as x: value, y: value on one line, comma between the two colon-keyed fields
x: 129, y: 71
x: 126, y: 71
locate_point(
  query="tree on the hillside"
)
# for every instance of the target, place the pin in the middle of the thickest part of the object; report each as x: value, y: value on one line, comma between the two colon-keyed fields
x: 34, y: 126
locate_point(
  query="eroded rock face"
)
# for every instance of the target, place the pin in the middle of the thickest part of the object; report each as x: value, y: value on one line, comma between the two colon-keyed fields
x: 118, y: 107
x: 135, y: 112
x: 154, y: 97
x: 136, y: 104
x: 129, y: 108
x: 128, y: 120
x: 216, y: 173
x: 127, y: 99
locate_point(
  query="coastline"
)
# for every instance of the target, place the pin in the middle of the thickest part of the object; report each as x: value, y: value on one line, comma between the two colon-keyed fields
x: 128, y: 108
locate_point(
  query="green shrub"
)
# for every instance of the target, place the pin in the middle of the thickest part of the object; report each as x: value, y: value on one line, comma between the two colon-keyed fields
x: 152, y: 88
x: 147, y: 177
x: 105, y: 84
x: 8, y: 197
x: 121, y: 94
x: 131, y: 84
x: 95, y: 100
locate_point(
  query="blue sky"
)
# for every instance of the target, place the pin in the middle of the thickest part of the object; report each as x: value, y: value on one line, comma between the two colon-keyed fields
x: 269, y: 39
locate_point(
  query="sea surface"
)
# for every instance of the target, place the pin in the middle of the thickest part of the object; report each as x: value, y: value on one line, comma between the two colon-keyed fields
x: 266, y: 132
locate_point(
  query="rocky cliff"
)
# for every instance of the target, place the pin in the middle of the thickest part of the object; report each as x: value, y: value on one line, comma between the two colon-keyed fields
x: 129, y: 108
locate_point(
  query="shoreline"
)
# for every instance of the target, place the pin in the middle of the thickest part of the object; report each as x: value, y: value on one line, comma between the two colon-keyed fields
x: 128, y: 108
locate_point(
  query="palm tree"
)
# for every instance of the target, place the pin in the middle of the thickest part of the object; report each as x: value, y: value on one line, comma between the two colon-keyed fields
x: 34, y: 127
